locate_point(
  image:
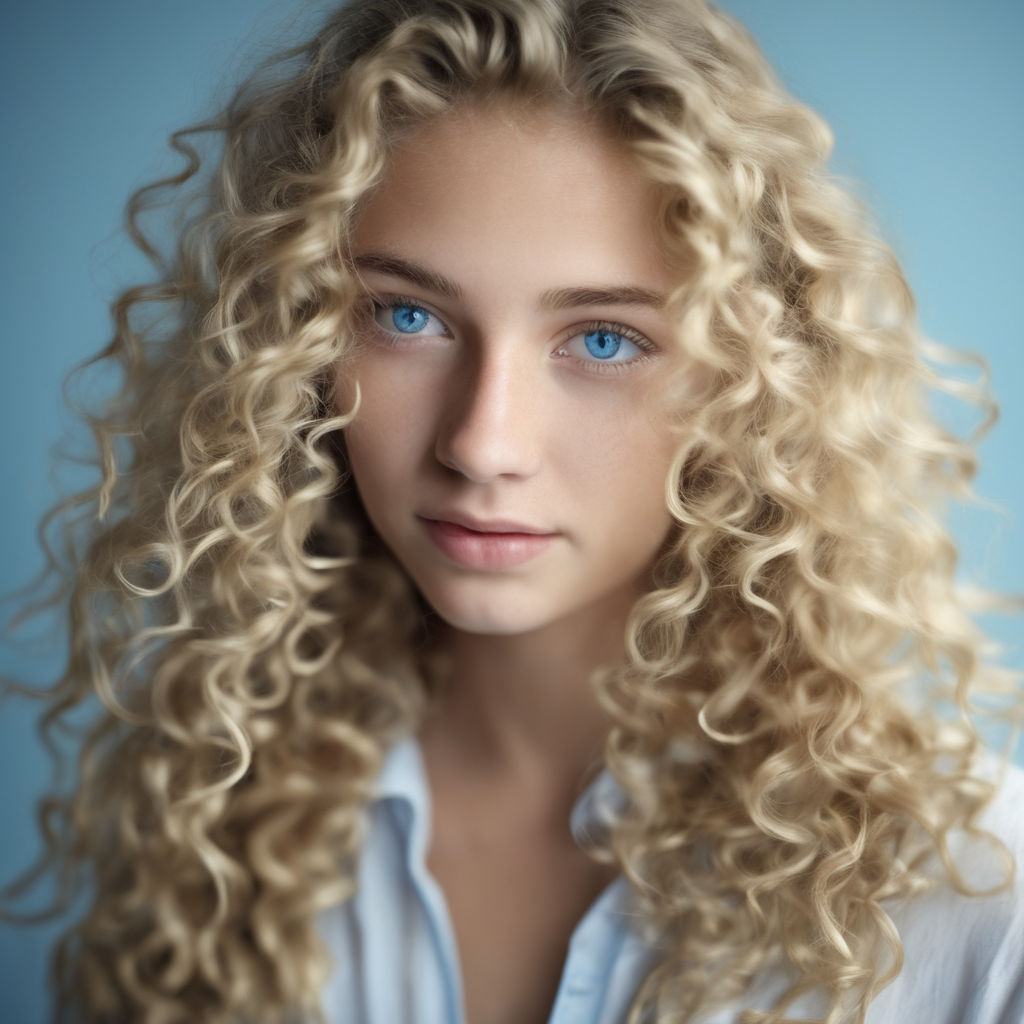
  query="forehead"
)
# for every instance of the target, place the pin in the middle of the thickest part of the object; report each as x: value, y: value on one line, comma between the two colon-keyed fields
x: 501, y: 180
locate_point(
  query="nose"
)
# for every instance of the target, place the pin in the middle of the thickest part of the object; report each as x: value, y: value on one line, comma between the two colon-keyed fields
x: 491, y: 426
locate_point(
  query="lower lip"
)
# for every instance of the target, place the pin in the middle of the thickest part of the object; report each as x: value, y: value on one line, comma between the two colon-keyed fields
x: 476, y: 550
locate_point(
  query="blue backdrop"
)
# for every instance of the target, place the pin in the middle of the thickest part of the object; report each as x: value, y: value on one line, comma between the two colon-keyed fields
x: 924, y: 96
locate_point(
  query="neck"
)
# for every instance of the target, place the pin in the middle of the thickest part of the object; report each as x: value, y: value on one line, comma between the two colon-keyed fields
x: 521, y: 708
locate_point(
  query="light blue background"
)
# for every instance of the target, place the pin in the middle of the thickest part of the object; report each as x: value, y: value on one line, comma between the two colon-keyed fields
x: 924, y: 96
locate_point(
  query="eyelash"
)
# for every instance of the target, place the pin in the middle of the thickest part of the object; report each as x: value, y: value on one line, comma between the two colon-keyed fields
x: 377, y: 304
x: 646, y: 346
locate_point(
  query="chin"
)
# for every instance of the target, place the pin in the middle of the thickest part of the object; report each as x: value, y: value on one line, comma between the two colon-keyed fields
x: 490, y: 616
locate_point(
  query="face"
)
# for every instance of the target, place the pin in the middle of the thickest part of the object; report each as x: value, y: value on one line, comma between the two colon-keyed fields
x: 510, y: 446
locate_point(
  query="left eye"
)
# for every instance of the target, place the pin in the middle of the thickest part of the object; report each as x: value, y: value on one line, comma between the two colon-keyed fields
x: 604, y: 345
x: 407, y: 318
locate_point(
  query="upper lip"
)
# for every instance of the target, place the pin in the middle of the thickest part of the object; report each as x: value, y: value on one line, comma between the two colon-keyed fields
x: 471, y: 522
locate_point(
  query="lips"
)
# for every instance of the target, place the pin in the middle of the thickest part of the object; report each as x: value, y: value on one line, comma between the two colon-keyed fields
x: 489, y: 545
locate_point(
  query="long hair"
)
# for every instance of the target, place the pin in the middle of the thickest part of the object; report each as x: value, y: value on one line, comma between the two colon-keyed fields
x: 255, y: 650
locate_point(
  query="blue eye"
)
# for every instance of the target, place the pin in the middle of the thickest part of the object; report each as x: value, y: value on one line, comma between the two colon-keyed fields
x: 409, y: 319
x: 606, y: 344
x: 403, y: 317
x: 603, y: 344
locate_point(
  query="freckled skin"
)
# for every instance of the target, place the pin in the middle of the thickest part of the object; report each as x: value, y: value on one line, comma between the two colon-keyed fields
x: 496, y: 405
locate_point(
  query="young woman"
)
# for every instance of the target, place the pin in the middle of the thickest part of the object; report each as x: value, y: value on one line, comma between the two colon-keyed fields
x: 516, y: 562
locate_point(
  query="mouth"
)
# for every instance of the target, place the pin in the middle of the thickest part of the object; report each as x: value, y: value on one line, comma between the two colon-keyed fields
x: 487, y: 545
x: 469, y: 522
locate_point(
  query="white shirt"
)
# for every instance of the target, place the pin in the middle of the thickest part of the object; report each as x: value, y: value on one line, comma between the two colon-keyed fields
x: 396, y: 960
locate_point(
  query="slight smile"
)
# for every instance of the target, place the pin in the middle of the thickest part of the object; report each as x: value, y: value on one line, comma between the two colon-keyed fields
x: 490, y: 545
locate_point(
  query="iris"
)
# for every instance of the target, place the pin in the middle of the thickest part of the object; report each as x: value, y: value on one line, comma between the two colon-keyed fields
x: 602, y: 344
x: 409, y: 319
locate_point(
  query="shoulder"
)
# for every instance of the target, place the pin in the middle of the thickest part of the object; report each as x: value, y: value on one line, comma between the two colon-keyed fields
x: 1003, y: 816
x: 964, y: 953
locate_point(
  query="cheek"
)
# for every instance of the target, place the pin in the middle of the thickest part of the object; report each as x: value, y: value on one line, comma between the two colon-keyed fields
x: 394, y: 418
x: 619, y: 452
x: 619, y: 474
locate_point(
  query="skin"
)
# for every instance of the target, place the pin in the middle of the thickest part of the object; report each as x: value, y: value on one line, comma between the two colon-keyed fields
x: 492, y: 410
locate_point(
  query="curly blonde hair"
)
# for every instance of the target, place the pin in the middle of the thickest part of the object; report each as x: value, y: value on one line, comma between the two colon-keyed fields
x: 256, y: 650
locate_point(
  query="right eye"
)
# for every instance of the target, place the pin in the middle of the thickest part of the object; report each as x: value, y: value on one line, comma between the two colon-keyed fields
x: 406, y: 318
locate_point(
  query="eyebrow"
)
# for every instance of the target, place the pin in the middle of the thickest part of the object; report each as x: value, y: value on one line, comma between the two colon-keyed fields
x: 627, y: 295
x: 554, y: 299
x: 412, y: 272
